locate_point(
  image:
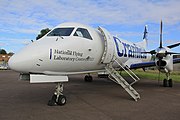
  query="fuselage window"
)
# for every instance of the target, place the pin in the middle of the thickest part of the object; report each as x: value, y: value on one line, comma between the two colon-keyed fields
x: 61, y: 32
x: 81, y: 32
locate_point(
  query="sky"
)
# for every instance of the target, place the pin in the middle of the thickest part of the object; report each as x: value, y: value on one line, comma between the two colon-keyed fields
x: 22, y: 20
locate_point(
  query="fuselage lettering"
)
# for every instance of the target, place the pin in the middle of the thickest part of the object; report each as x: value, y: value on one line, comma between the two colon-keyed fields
x: 127, y: 50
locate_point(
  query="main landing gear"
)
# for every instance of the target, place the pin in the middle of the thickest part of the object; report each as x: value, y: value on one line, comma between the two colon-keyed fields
x: 88, y: 78
x: 167, y: 82
x: 58, y: 98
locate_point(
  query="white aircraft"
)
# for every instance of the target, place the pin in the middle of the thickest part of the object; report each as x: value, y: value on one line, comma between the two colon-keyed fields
x: 73, y: 48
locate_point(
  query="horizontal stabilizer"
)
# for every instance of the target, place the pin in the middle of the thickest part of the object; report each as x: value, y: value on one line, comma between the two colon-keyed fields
x: 172, y: 53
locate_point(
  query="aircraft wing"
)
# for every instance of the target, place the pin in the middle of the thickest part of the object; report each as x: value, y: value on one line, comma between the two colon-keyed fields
x: 150, y: 64
x: 143, y: 65
x: 176, y: 60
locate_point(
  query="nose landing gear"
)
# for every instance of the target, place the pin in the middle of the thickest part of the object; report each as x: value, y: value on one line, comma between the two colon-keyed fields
x: 58, y: 98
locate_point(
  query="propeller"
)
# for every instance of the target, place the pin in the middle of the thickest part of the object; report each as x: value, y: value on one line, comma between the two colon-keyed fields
x: 161, y: 51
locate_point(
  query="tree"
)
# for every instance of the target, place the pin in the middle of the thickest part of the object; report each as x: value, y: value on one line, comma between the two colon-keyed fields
x: 2, y: 51
x: 42, y: 33
x: 10, y: 53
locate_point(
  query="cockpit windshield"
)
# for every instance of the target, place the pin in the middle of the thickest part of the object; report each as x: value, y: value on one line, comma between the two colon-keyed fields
x: 61, y: 32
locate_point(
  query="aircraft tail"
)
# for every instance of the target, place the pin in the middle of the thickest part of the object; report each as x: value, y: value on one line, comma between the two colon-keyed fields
x: 144, y: 42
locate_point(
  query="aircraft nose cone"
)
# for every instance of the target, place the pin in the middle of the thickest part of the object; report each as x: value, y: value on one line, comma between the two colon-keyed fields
x: 26, y: 60
x: 17, y: 63
x: 14, y: 63
x: 11, y: 63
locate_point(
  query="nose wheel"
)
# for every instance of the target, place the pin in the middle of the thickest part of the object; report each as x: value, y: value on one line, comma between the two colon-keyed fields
x: 58, y: 98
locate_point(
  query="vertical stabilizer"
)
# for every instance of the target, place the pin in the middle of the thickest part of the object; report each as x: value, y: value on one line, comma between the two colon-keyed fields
x: 144, y: 42
x: 145, y: 33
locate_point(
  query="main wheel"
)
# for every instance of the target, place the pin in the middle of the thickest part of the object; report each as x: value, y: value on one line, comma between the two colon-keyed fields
x: 170, y: 82
x: 165, y: 84
x: 61, y: 100
x: 88, y: 78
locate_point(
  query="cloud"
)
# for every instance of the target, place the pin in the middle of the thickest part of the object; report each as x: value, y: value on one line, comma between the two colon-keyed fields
x: 126, y: 34
x: 13, y: 44
x: 2, y: 44
x: 10, y: 42
x: 30, y: 16
x: 40, y: 13
x: 169, y: 42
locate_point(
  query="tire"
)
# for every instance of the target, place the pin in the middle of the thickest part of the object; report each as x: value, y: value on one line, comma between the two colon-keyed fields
x: 170, y: 82
x: 88, y: 78
x: 61, y: 100
x: 165, y: 84
x: 54, y: 97
x: 52, y: 102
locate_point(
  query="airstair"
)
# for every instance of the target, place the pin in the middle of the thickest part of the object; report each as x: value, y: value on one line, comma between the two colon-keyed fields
x: 109, y: 59
x: 116, y: 77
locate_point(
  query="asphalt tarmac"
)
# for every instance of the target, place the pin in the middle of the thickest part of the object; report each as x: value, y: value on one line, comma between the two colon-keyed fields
x: 99, y: 100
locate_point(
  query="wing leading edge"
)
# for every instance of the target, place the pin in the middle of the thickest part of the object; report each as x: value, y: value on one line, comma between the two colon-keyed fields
x: 142, y: 65
x: 150, y: 64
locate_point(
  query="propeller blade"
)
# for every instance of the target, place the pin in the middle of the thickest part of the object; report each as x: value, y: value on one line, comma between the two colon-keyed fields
x: 160, y: 45
x: 150, y: 52
x: 146, y: 52
x: 153, y: 51
x: 174, y: 45
x: 172, y: 53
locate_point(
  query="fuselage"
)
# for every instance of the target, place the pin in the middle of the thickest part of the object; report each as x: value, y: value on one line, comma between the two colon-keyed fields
x: 76, y: 49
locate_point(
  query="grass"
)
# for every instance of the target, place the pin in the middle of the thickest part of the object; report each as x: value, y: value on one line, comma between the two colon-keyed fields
x: 154, y: 74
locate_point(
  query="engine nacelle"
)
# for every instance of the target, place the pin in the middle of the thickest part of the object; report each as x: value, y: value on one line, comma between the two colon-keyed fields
x: 161, y: 63
x: 165, y: 64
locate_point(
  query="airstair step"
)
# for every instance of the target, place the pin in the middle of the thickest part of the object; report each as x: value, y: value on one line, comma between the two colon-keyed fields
x: 121, y: 81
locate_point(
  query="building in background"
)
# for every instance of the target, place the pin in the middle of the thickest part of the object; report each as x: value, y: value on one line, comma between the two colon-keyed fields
x: 4, y: 60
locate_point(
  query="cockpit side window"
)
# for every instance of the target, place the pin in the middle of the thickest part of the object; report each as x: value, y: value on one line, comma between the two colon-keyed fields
x: 61, y: 32
x: 81, y: 32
